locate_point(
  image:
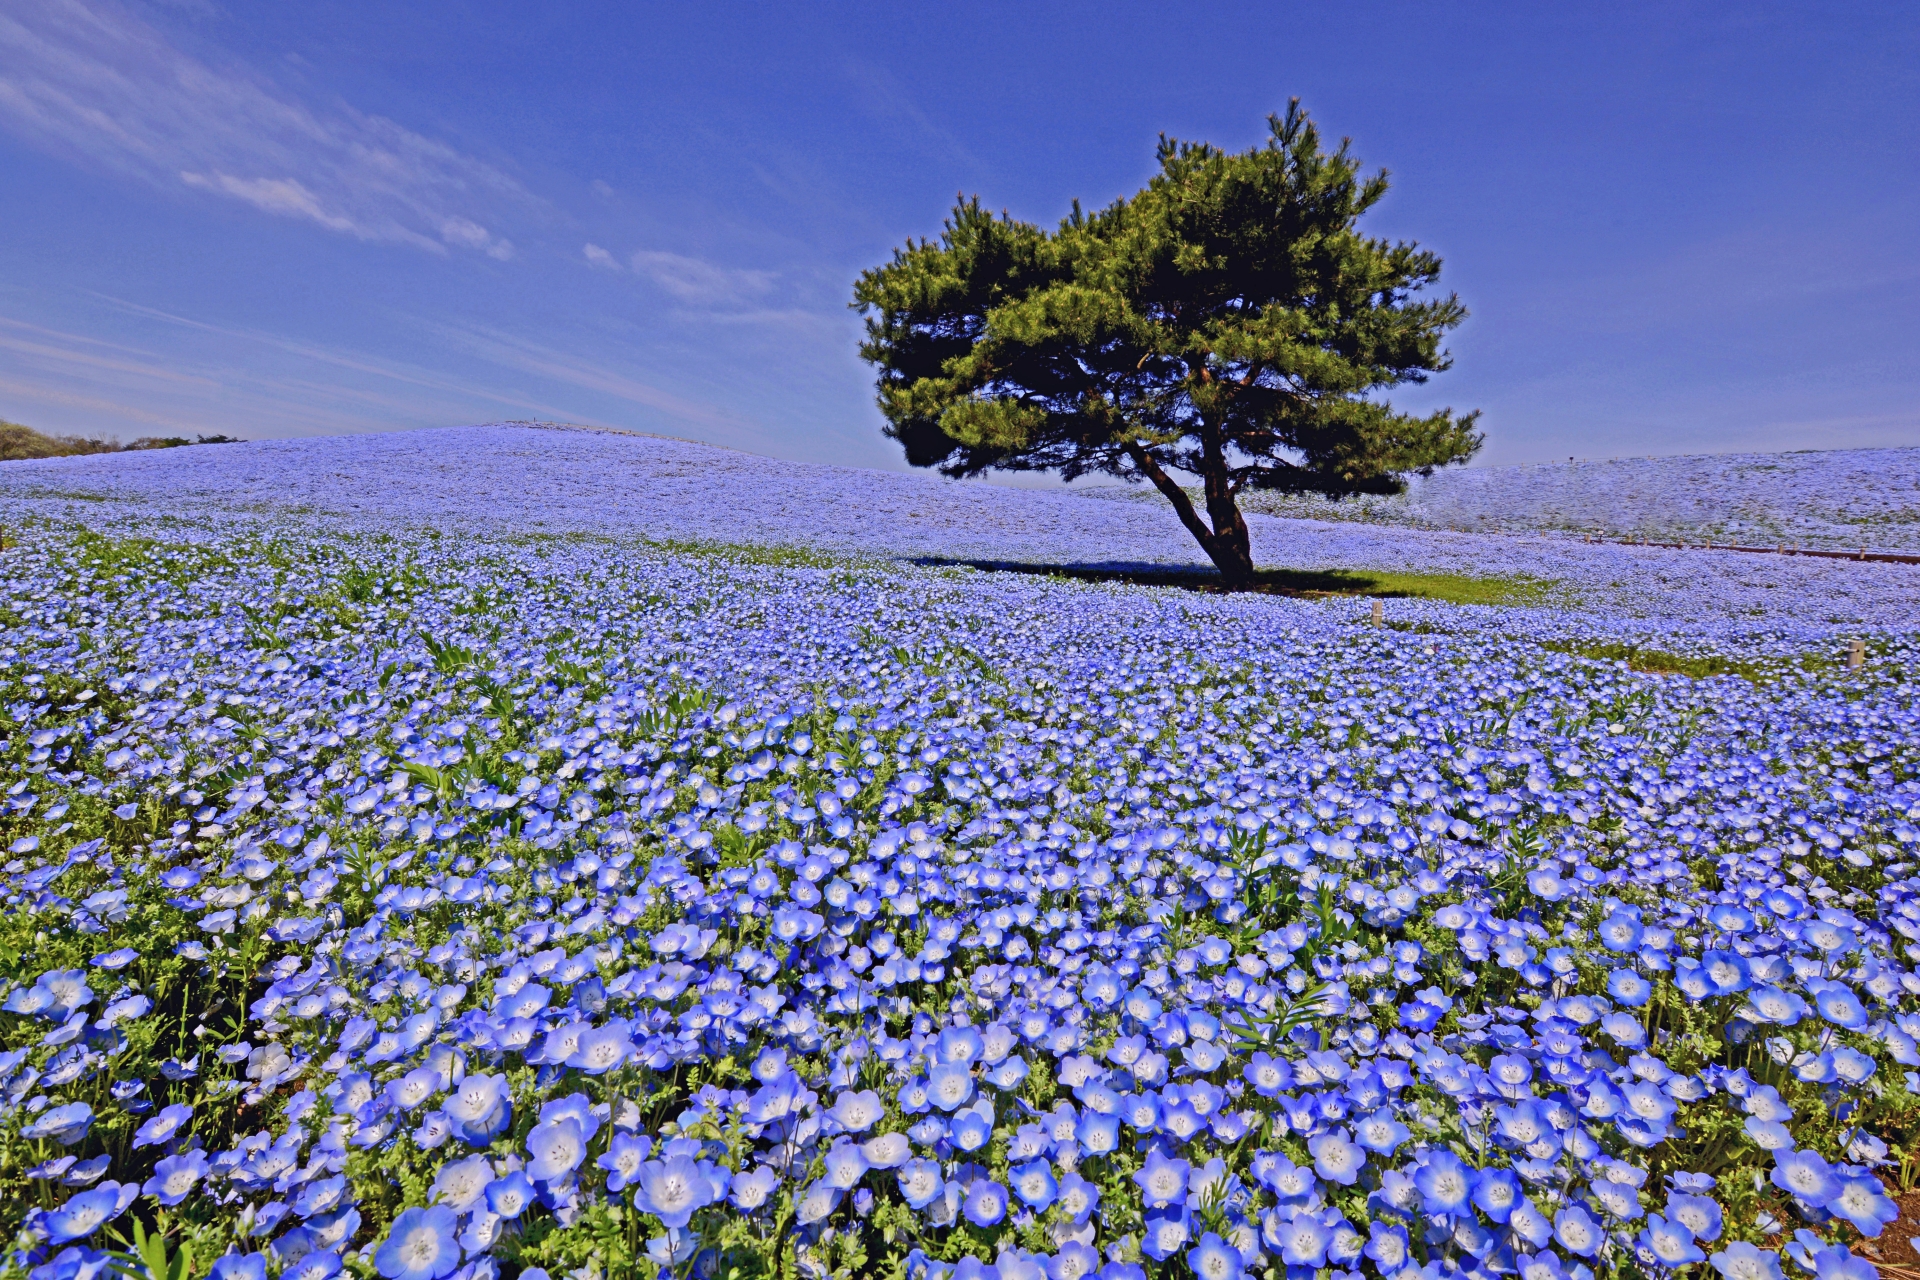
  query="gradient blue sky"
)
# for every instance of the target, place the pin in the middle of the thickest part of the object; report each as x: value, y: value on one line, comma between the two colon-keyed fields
x: 1680, y: 228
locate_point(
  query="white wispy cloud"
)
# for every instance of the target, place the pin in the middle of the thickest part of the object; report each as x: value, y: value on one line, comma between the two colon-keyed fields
x: 93, y: 81
x: 465, y: 231
x: 599, y: 257
x: 699, y: 282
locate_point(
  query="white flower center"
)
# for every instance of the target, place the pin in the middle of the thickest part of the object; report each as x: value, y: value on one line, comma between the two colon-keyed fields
x: 421, y: 1247
x: 672, y: 1191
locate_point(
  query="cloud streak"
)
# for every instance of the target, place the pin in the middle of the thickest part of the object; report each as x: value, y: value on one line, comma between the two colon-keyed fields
x: 698, y: 282
x: 92, y: 82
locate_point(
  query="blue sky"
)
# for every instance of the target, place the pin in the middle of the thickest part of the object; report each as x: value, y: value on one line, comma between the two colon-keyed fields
x: 1680, y: 228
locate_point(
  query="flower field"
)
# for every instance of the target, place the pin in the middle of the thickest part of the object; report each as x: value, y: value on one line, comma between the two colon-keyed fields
x: 426, y: 857
x: 1835, y: 500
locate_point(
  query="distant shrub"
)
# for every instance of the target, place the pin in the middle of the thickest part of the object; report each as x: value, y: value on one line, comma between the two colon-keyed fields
x: 18, y: 443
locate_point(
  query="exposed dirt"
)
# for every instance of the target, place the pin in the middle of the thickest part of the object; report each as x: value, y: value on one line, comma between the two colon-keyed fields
x: 1895, y: 1251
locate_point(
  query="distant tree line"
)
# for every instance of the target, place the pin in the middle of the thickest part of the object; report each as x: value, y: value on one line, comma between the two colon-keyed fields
x: 18, y: 442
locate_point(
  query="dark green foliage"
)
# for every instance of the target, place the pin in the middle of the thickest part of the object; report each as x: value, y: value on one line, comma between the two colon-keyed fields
x: 1226, y: 321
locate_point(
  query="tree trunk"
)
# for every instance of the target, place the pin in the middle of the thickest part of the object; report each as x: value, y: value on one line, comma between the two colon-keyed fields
x: 1232, y: 550
x: 1229, y: 526
x: 1227, y: 544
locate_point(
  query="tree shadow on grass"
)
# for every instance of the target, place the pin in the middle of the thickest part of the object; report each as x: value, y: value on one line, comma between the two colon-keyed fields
x: 1456, y: 588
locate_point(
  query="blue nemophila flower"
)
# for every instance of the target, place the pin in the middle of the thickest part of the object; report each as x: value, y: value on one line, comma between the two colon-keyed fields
x: 65, y: 1125
x: 985, y: 1202
x: 239, y: 1266
x: 1300, y: 1238
x: 1162, y: 1180
x: 1075, y: 1261
x: 602, y: 1049
x: 1530, y: 1223
x: 1840, y: 1006
x: 1035, y: 1184
x: 887, y: 1150
x: 1576, y: 1232
x: 555, y: 1149
x: 1621, y: 932
x: 1619, y: 1200
x: 1698, y: 1213
x: 1164, y: 1233
x: 846, y: 1163
x: 1805, y: 1175
x: 420, y: 1246
x: 1771, y: 1004
x: 1840, y: 1263
x: 949, y: 1085
x: 462, y: 1184
x: 1545, y: 1265
x: 174, y: 1177
x: 1268, y: 1075
x: 1628, y: 987
x: 1098, y: 1128
x: 972, y: 1128
x: 163, y: 1125
x: 675, y: 1188
x: 510, y: 1194
x: 749, y: 1191
x: 84, y: 1213
x: 1444, y: 1183
x: 920, y: 1182
x: 480, y: 1108
x: 1336, y: 1157
x: 856, y: 1112
x: 1429, y: 1005
x: 1672, y: 1244
x: 1743, y: 1261
x: 1861, y: 1200
x: 1496, y: 1192
x: 622, y: 1159
x: 320, y: 1196
x: 54, y: 995
x: 318, y: 1265
x: 1215, y: 1259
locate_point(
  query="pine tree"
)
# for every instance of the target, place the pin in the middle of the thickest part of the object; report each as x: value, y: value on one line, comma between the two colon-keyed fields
x: 1227, y: 321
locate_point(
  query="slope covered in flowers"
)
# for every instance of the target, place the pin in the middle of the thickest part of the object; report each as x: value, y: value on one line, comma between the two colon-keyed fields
x: 492, y: 479
x: 420, y: 901
x: 1836, y: 500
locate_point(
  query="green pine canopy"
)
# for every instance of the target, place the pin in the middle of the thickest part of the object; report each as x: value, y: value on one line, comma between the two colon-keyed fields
x: 1227, y: 322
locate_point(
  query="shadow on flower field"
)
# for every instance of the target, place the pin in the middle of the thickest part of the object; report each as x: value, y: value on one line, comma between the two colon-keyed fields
x: 1448, y: 587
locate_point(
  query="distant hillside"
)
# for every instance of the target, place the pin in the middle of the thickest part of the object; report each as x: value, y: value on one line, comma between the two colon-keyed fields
x: 1844, y: 499
x: 19, y: 443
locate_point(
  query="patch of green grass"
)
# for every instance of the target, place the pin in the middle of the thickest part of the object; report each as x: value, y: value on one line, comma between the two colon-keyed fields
x: 1658, y: 662
x: 1454, y: 588
x: 777, y: 555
